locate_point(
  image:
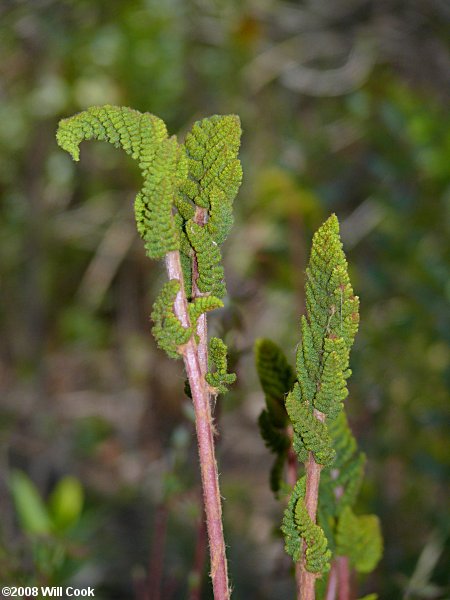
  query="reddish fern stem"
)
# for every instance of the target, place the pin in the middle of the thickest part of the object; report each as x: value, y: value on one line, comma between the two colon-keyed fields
x: 308, y: 579
x: 204, y: 429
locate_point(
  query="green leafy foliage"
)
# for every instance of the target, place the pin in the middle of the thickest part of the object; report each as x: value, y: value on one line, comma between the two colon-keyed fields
x: 212, y: 147
x: 276, y: 377
x: 210, y: 270
x: 52, y: 528
x: 160, y: 160
x: 66, y: 502
x: 31, y: 509
x: 137, y: 133
x: 359, y: 538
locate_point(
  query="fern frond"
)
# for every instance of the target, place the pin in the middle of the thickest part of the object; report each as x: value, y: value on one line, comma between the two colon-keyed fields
x: 210, y: 270
x: 276, y: 473
x: 162, y: 161
x: 276, y: 377
x: 297, y: 527
x: 328, y: 331
x: 212, y: 147
x: 219, y: 378
x: 317, y: 553
x: 292, y: 538
x: 202, y: 304
x: 275, y: 439
x: 359, y: 538
x: 167, y: 330
x: 313, y: 433
x: 153, y: 206
x: 220, y: 215
x: 137, y: 133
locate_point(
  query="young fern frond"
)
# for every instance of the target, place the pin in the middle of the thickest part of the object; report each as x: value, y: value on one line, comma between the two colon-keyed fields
x: 214, y: 177
x: 201, y: 305
x: 321, y: 436
x: 169, y: 333
x: 137, y: 133
x: 212, y: 147
x: 154, y: 204
x: 297, y: 526
x: 276, y: 377
x: 210, y: 270
x: 218, y: 377
x: 275, y: 438
x: 179, y: 182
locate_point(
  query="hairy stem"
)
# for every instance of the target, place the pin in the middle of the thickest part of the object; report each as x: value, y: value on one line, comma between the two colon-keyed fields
x: 204, y: 428
x: 308, y: 579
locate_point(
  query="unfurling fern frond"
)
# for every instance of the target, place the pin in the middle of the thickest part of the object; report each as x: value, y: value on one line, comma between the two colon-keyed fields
x: 137, y: 133
x: 321, y: 436
x: 162, y: 162
x: 340, y: 485
x: 177, y: 179
x: 359, y: 538
x: 313, y: 433
x: 167, y: 330
x: 218, y: 377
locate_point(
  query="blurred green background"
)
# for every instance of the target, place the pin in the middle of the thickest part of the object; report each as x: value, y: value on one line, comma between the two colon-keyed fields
x: 344, y: 107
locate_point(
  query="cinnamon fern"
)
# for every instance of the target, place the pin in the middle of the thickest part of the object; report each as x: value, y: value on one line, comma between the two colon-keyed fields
x: 310, y: 405
x: 183, y: 214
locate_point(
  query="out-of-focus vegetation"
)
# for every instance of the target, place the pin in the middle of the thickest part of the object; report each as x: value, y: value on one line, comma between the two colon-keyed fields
x: 344, y: 107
